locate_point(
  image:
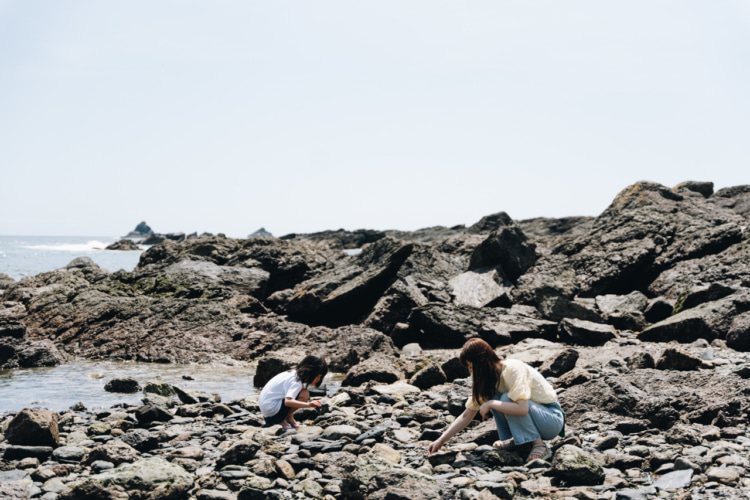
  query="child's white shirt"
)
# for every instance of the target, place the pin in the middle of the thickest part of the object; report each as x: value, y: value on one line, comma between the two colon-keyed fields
x: 284, y: 385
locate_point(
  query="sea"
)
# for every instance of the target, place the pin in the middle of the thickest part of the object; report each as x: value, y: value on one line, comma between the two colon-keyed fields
x: 22, y: 256
x: 82, y: 381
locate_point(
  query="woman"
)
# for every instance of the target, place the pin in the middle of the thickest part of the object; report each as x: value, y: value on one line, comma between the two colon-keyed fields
x: 523, y: 403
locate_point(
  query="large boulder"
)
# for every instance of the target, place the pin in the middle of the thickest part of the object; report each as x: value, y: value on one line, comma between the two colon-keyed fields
x: 585, y: 333
x: 375, y: 369
x: 708, y: 321
x: 348, y: 293
x: 274, y: 362
x: 375, y: 477
x: 429, y: 376
x: 647, y: 229
x: 33, y: 428
x: 576, y: 467
x: 676, y: 359
x: 446, y: 326
x: 480, y: 288
x: 508, y: 248
x: 29, y: 354
x: 126, y: 385
x: 152, y: 477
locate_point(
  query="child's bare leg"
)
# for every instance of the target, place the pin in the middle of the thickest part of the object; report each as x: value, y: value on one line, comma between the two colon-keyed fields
x: 304, y: 395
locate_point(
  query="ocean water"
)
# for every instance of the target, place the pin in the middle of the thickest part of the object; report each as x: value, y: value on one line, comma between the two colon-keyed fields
x: 22, y: 256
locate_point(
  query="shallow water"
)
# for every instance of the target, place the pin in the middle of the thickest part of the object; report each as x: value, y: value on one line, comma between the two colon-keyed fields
x: 60, y: 387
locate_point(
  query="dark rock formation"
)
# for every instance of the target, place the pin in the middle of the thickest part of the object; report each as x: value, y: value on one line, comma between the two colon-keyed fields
x: 34, y: 428
x: 260, y: 233
x: 142, y: 230
x: 126, y: 385
x: 123, y: 245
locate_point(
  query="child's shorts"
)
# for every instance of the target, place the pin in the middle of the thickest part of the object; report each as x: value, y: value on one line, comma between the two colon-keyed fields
x: 280, y: 415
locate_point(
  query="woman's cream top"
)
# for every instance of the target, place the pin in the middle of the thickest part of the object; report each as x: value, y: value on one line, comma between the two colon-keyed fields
x: 520, y: 381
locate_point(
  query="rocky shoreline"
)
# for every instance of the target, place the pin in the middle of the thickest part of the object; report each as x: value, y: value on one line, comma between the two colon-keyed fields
x: 640, y: 317
x: 368, y: 440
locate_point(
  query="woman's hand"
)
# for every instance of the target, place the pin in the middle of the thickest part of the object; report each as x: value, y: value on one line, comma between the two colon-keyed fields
x: 316, y: 404
x: 484, y: 410
x: 434, y: 447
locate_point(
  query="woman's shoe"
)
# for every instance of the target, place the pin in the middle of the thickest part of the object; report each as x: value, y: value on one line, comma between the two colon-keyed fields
x: 507, y: 444
x: 286, y: 426
x: 539, y: 452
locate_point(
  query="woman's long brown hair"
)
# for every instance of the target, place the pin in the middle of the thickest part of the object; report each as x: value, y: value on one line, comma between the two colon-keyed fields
x: 485, y: 368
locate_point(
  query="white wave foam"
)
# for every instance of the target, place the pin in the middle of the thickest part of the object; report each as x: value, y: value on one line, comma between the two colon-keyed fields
x: 71, y: 247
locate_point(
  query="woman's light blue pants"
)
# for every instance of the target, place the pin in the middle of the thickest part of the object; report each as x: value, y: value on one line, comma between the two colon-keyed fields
x: 542, y: 421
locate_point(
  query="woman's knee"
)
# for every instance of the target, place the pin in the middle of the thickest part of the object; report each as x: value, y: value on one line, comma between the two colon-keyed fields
x: 503, y: 397
x: 304, y: 395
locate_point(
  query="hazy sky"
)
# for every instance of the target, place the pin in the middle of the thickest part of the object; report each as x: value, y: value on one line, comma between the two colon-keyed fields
x: 225, y: 116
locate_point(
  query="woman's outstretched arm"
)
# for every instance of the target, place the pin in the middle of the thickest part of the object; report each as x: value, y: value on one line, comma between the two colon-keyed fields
x: 519, y: 408
x: 457, y: 426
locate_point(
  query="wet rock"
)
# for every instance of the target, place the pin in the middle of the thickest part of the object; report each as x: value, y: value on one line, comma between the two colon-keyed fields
x: 33, y: 428
x: 159, y: 387
x: 125, y: 385
x: 576, y: 467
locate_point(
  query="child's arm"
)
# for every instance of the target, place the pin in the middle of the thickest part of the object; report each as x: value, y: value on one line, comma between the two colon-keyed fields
x: 293, y: 403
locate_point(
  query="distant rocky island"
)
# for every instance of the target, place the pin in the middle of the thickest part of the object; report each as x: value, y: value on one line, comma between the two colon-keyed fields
x: 639, y: 316
x: 144, y: 235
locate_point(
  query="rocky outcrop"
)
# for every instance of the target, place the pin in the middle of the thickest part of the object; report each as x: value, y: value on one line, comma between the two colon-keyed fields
x: 659, y: 263
x: 260, y: 233
x: 142, y: 230
x: 125, y: 245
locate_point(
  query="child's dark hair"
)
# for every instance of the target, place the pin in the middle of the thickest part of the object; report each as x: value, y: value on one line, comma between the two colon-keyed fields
x: 310, y: 367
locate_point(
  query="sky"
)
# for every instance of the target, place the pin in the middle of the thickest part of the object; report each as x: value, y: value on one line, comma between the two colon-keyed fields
x: 301, y: 116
